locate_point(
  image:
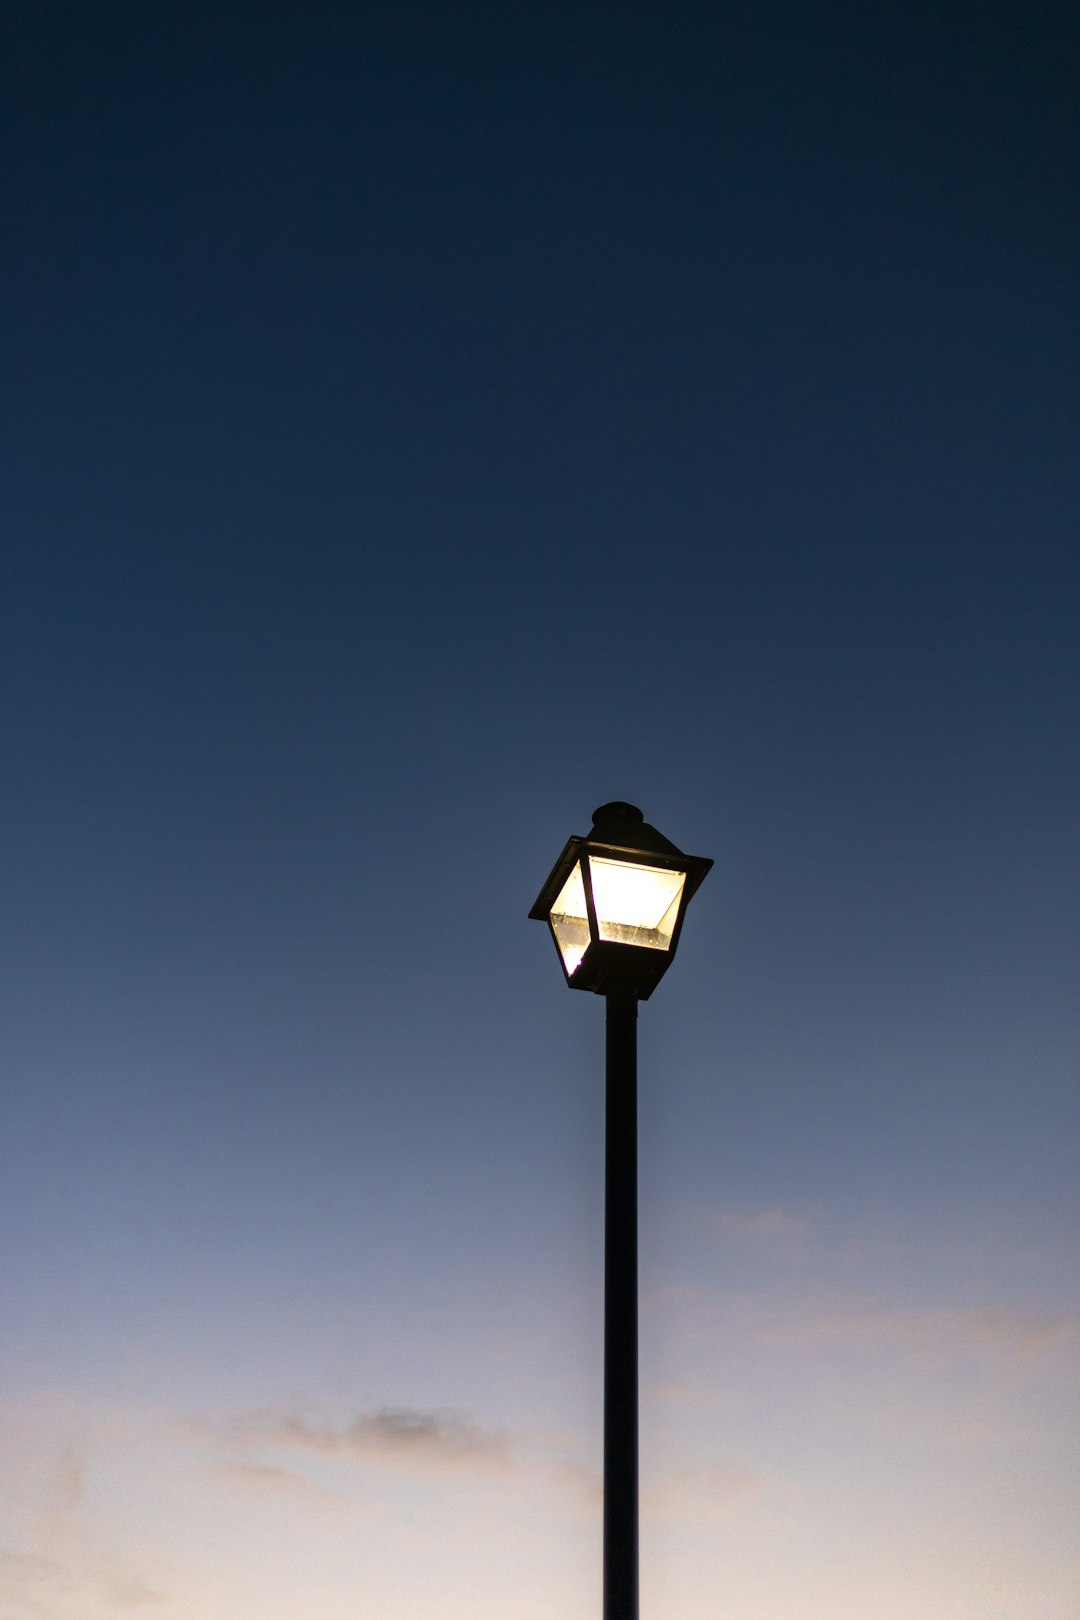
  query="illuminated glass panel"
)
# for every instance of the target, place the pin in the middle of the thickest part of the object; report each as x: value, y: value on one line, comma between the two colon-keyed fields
x: 570, y: 920
x: 635, y: 905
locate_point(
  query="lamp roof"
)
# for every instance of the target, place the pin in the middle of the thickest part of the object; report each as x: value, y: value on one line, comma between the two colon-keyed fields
x: 619, y: 830
x: 623, y: 825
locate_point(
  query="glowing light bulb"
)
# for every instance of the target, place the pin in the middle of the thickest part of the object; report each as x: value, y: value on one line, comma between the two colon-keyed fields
x: 636, y: 905
x: 570, y: 920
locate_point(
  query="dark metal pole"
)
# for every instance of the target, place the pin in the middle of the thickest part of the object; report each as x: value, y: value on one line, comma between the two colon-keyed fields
x: 620, y: 1312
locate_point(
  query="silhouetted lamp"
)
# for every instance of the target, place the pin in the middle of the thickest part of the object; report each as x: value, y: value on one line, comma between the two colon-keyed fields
x: 615, y: 903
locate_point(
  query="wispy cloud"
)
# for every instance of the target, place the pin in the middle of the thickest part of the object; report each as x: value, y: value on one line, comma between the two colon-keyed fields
x: 76, y: 1580
x: 131, y: 1593
x: 681, y: 1396
x: 697, y: 1492
x: 770, y: 1225
x: 1021, y: 1338
x: 66, y: 1488
x: 552, y: 1460
x: 735, y: 1324
x: 59, y: 1564
x: 392, y: 1436
x: 1024, y: 1338
x: 264, y: 1480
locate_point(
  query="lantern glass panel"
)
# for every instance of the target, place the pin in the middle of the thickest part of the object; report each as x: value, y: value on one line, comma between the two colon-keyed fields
x: 570, y: 920
x: 635, y: 905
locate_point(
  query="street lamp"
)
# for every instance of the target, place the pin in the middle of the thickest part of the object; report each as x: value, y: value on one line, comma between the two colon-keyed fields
x: 615, y: 903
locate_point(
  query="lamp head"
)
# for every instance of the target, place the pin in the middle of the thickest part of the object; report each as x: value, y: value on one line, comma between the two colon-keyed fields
x: 615, y: 902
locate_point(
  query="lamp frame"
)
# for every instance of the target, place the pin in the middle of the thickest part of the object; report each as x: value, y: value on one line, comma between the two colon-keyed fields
x: 608, y: 964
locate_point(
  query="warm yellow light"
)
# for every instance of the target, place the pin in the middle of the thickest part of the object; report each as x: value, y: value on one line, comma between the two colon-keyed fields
x: 570, y: 920
x: 636, y: 905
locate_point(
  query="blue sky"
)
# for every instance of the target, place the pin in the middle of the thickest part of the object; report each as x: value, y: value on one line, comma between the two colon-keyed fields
x: 425, y: 424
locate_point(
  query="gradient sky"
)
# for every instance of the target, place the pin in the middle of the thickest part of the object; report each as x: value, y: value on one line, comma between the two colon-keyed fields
x: 425, y: 422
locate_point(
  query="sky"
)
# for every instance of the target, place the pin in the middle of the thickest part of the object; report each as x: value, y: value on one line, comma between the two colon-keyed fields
x: 423, y: 424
